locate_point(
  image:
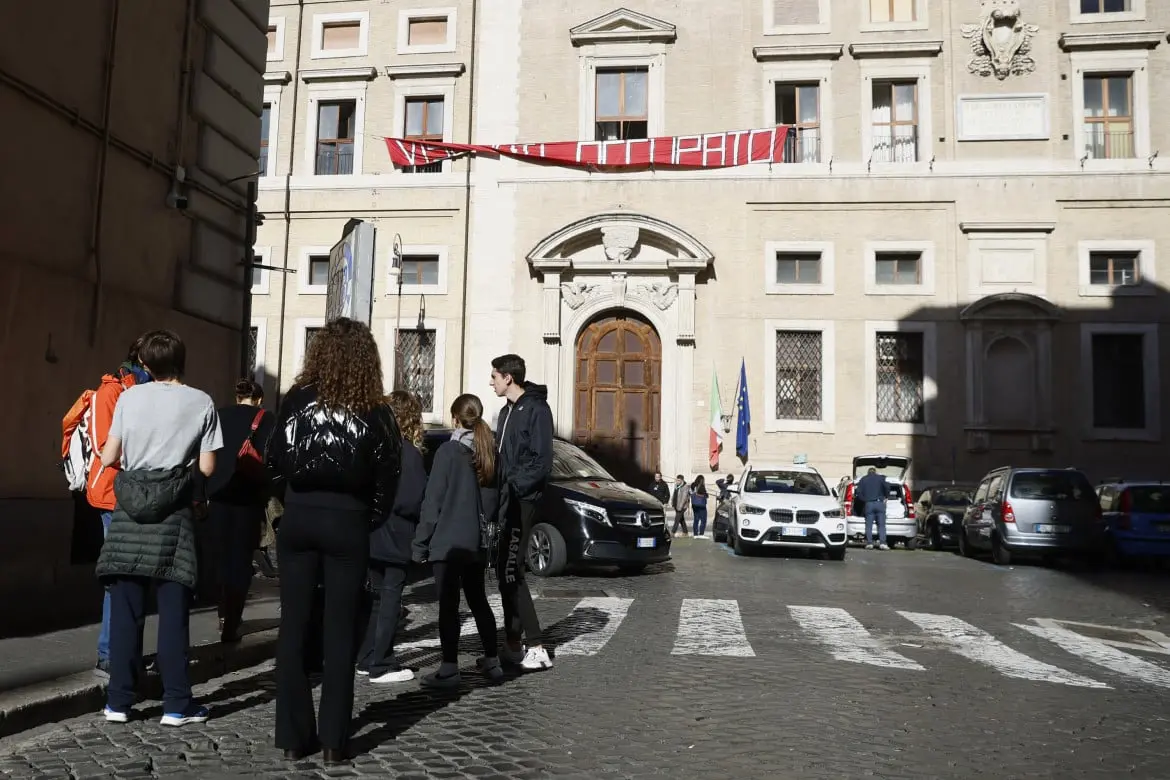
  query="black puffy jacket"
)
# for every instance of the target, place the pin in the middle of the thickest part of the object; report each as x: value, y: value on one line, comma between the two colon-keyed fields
x: 315, y: 449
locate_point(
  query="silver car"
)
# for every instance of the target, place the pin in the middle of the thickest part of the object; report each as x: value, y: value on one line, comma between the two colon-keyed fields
x: 1042, y: 512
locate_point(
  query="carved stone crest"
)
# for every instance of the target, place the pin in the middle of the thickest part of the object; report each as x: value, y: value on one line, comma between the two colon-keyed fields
x: 619, y: 287
x: 576, y: 293
x: 1000, y: 42
x: 619, y: 242
x: 661, y: 294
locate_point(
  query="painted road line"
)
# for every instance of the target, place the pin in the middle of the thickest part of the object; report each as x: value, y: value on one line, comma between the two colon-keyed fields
x: 977, y: 645
x: 847, y: 639
x: 711, y: 627
x: 598, y: 619
x: 1099, y: 653
x: 468, y: 628
x: 422, y: 616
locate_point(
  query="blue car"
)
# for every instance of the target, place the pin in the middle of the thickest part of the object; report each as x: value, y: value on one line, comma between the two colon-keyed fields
x: 1137, y: 517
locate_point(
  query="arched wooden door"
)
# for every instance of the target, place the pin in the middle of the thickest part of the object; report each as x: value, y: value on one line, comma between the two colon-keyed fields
x: 618, y: 394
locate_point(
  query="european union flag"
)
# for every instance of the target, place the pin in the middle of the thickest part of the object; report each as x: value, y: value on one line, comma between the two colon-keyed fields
x: 743, y: 426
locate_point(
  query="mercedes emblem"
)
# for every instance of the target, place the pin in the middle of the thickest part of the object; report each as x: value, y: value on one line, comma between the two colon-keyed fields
x: 643, y: 519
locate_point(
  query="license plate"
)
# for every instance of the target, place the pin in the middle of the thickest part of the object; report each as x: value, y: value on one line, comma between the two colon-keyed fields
x: 647, y: 541
x: 794, y: 531
x: 1052, y: 529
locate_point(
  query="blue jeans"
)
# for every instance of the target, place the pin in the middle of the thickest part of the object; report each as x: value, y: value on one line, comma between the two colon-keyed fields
x: 129, y: 619
x: 104, y: 636
x: 875, y: 511
x: 699, y: 523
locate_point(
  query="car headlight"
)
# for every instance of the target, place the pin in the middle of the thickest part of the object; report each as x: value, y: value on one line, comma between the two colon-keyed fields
x: 589, y: 511
x: 833, y: 513
x: 748, y: 509
x: 945, y: 519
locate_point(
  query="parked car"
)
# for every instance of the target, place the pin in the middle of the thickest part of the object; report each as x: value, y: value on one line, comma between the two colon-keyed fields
x: 721, y: 522
x: 940, y: 514
x: 1041, y: 512
x: 1137, y: 517
x: 901, y: 522
x: 587, y: 517
x: 786, y: 506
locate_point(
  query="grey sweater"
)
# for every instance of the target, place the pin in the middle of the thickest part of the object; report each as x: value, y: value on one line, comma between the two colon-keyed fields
x: 454, y: 507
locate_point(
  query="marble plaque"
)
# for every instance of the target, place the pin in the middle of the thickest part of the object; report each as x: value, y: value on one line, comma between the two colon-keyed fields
x: 1022, y: 117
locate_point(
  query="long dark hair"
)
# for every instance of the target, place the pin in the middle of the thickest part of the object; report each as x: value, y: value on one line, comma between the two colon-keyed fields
x: 468, y: 412
x: 699, y: 485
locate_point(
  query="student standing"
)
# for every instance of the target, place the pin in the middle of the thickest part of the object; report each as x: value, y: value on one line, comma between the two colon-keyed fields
x: 524, y: 439
x: 336, y: 450
x: 160, y: 429
x: 452, y: 536
x: 680, y: 502
x: 699, y: 506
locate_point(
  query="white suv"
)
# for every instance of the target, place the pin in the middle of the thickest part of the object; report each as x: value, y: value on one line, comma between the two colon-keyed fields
x: 786, y: 506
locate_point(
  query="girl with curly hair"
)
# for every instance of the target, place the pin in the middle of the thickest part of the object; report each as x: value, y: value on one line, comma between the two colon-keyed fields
x: 390, y: 548
x: 334, y: 454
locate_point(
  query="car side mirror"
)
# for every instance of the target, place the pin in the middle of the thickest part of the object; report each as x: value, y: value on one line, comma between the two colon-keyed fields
x: 733, y: 489
x: 835, y: 493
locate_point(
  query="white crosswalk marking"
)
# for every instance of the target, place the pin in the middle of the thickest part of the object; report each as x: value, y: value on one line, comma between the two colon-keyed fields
x: 590, y: 643
x: 1100, y: 653
x: 847, y: 639
x: 469, y: 629
x: 711, y: 627
x: 979, y: 646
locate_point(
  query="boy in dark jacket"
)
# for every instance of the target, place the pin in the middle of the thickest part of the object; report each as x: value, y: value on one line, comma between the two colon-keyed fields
x: 524, y: 439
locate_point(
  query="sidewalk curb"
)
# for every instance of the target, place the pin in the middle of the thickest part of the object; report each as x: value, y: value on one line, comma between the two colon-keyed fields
x: 46, y: 702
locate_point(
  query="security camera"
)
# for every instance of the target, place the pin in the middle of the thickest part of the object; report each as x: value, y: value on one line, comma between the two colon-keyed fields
x: 176, y: 201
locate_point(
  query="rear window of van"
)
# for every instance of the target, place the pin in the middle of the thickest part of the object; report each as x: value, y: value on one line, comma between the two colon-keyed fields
x: 1052, y: 486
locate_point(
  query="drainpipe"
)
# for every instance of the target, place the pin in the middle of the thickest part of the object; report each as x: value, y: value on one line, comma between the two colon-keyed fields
x: 467, y: 197
x: 99, y: 187
x: 184, y: 92
x: 288, y: 199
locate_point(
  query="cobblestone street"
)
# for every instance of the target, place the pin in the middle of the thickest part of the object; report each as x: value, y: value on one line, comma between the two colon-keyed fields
x: 894, y: 664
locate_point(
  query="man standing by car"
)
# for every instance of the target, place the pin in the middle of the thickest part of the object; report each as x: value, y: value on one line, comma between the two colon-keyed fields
x: 872, y: 493
x: 524, y: 438
x: 659, y: 489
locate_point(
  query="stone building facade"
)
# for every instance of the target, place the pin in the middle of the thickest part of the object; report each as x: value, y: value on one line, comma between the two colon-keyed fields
x: 960, y: 262
x: 125, y: 124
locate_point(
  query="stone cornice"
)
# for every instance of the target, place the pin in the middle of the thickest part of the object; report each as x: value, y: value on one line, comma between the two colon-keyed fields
x: 800, y: 51
x: 1137, y: 39
x: 277, y: 77
x: 444, y: 69
x: 339, y: 74
x: 896, y: 49
x: 640, y: 28
x: 1007, y: 227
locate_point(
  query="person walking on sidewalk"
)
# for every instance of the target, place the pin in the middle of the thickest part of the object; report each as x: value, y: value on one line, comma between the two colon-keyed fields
x: 452, y: 536
x: 699, y: 506
x: 237, y: 495
x: 159, y: 430
x: 390, y: 548
x: 524, y: 439
x: 873, y: 491
x: 680, y: 502
x: 336, y: 449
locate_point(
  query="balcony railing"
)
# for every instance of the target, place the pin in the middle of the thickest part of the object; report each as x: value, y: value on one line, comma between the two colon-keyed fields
x: 1101, y: 144
x: 803, y: 146
x: 435, y: 167
x: 899, y: 146
x: 334, y: 160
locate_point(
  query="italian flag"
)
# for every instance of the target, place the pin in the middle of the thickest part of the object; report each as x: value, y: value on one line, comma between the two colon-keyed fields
x: 715, y: 439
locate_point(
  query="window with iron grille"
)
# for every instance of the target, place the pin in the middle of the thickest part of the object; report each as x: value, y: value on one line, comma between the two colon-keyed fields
x: 1114, y: 269
x: 424, y: 122
x: 415, y: 367
x: 253, y: 347
x: 798, y: 105
x: 336, y: 123
x: 798, y: 374
x: 1119, y: 387
x: 900, y: 378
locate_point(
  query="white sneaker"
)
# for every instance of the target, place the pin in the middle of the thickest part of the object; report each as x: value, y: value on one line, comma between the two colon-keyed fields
x: 401, y: 675
x: 113, y: 716
x: 196, y: 715
x: 883, y: 546
x: 514, y: 657
x: 490, y: 668
x: 536, y: 660
x: 364, y: 672
x: 869, y: 546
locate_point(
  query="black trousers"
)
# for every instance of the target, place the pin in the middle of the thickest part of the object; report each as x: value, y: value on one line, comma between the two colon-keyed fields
x: 127, y: 619
x: 520, y: 618
x: 386, y: 583
x: 330, y: 547
x: 450, y: 578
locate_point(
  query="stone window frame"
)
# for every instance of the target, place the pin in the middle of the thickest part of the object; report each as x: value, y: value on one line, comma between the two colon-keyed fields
x: 277, y: 53
x: 304, y: 287
x: 441, y: 251
x: 1152, y: 431
x: 772, y: 28
x: 921, y: 19
x: 261, y: 326
x: 272, y: 98
x: 406, y: 16
x: 1134, y: 62
x: 917, y: 69
x: 1136, y: 14
x: 438, y: 412
x: 929, y: 425
x: 803, y: 73
x: 302, y: 324
x: 651, y: 56
x: 262, y: 254
x: 828, y: 421
x: 319, y: 22
x: 827, y: 251
x: 926, y: 270
x: 1146, y: 268
x: 326, y: 93
x: 444, y: 87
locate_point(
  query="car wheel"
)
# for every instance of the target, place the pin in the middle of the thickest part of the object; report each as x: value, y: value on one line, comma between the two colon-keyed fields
x: 547, y: 554
x: 837, y: 553
x: 1000, y: 554
x: 741, y: 547
x: 632, y: 568
x: 964, y: 545
x: 912, y: 543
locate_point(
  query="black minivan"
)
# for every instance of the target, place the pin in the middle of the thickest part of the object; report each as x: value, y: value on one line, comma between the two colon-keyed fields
x: 587, y: 517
